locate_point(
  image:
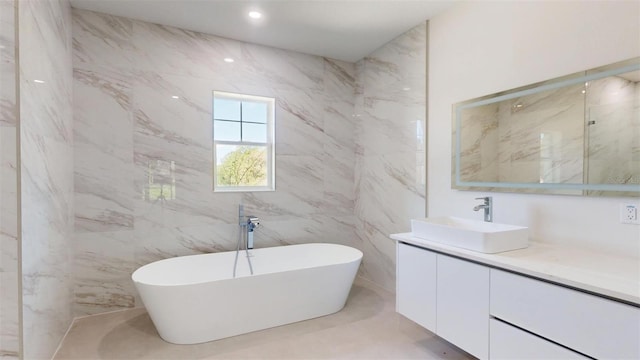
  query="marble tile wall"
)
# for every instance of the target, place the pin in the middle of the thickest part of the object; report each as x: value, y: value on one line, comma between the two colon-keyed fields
x: 125, y: 73
x: 9, y: 321
x: 390, y: 148
x: 46, y: 137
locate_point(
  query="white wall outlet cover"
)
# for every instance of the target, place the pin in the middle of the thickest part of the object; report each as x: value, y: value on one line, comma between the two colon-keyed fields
x: 629, y: 214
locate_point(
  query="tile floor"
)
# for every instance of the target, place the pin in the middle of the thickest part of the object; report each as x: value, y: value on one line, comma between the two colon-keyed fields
x: 367, y: 328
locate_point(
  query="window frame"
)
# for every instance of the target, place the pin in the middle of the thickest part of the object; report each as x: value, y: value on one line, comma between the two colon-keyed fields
x: 269, y: 144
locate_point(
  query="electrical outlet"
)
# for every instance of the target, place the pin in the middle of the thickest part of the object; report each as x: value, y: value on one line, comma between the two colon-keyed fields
x: 629, y: 214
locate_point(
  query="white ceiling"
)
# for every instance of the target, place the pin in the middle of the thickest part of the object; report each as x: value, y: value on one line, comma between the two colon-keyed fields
x: 340, y: 29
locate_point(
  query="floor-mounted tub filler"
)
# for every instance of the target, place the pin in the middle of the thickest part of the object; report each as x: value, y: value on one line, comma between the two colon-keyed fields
x: 195, y: 299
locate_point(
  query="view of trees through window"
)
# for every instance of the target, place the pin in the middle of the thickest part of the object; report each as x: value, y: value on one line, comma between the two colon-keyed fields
x: 244, y: 166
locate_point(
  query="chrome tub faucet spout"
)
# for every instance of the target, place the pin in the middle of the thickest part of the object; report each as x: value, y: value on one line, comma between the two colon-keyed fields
x: 252, y: 223
x: 247, y: 225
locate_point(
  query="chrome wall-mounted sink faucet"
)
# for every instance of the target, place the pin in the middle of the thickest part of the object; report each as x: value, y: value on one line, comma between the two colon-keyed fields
x: 487, y: 205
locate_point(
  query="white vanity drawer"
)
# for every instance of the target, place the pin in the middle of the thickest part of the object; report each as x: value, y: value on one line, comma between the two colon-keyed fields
x: 509, y: 343
x: 592, y: 325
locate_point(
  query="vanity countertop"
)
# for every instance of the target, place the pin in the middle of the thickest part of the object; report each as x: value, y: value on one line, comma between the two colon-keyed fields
x: 611, y: 276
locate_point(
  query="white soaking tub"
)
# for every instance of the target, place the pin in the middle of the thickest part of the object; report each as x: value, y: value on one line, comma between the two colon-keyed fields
x: 195, y: 299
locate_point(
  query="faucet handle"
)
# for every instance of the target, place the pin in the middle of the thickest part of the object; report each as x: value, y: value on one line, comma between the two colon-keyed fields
x: 488, y: 200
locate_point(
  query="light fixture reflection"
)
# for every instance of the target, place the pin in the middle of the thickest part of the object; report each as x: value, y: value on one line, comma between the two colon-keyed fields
x: 255, y: 14
x: 228, y: 60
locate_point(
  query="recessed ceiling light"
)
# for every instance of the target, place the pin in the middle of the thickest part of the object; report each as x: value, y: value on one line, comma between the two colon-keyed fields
x: 229, y: 60
x: 255, y: 14
x: 38, y: 81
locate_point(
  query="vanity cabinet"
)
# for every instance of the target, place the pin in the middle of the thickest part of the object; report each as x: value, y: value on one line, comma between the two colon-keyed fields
x: 416, y: 284
x: 462, y: 294
x: 496, y: 314
x: 592, y: 325
x: 446, y: 295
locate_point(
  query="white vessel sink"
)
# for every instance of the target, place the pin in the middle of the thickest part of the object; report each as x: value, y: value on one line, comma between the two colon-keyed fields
x: 484, y: 237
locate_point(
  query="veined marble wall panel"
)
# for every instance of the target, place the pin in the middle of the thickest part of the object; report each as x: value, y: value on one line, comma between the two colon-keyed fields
x: 9, y: 320
x: 103, y: 157
x: 130, y: 129
x: 390, y: 151
x: 338, y: 138
x: 8, y: 241
x: 300, y: 123
x: 103, y: 41
x: 7, y: 63
x: 47, y: 173
x: 104, y: 260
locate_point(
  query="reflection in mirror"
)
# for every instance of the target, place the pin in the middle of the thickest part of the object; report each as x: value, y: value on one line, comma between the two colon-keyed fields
x: 579, y: 134
x: 613, y: 130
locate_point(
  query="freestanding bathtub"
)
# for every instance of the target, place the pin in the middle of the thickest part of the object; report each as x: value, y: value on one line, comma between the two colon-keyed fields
x: 195, y: 299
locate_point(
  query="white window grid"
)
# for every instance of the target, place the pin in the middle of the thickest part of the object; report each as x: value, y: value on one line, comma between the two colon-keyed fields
x: 269, y: 144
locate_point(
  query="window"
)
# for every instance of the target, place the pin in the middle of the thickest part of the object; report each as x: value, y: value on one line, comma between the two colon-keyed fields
x: 243, y: 137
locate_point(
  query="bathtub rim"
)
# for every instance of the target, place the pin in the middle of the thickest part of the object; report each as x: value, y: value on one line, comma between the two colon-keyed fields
x: 358, y: 257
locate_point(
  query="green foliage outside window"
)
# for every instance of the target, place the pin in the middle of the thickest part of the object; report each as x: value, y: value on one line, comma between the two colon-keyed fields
x: 246, y: 166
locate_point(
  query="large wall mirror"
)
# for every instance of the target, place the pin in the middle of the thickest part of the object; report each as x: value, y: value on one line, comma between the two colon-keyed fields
x: 577, y: 135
